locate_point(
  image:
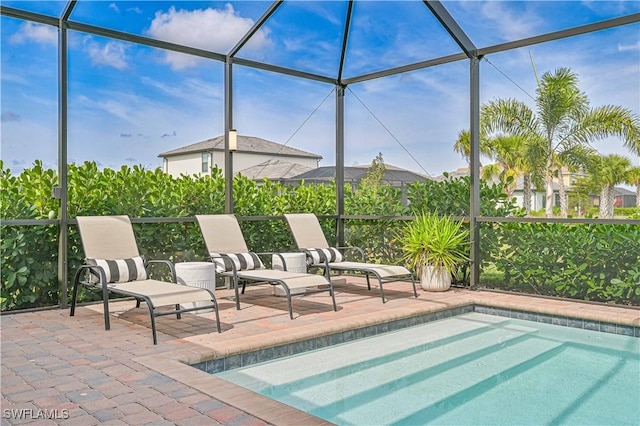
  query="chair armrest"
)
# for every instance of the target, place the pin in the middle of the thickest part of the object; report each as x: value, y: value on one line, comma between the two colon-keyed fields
x: 168, y: 263
x: 233, y: 265
x: 96, y: 270
x: 273, y: 253
x: 308, y: 253
x: 354, y: 248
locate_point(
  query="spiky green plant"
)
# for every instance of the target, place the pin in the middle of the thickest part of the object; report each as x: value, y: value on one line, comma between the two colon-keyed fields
x: 438, y: 241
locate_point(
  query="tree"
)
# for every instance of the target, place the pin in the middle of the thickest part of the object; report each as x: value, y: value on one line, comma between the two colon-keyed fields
x: 508, y: 151
x: 375, y: 173
x: 566, y: 124
x: 633, y: 178
x: 462, y: 146
x: 605, y: 172
x: 514, y: 156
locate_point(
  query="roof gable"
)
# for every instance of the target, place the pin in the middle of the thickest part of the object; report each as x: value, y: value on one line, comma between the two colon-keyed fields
x: 246, y: 144
x: 357, y: 173
x: 274, y: 170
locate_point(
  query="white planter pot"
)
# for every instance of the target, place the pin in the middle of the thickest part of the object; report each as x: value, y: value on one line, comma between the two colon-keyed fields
x: 433, y: 279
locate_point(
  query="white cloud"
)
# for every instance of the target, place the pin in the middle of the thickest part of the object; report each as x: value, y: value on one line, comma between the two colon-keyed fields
x: 509, y: 23
x: 628, y: 47
x: 216, y: 30
x: 114, y: 7
x: 13, y: 78
x: 112, y: 54
x: 190, y: 91
x: 38, y: 33
x: 619, y: 7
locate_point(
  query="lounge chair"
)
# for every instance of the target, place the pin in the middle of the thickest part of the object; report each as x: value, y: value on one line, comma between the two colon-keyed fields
x: 310, y: 238
x: 227, y: 248
x: 114, y: 265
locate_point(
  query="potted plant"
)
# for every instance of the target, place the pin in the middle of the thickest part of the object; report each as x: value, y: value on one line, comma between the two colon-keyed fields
x: 434, y: 246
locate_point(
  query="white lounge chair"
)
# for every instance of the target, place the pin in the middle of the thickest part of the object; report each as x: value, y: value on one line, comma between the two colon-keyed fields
x: 228, y: 250
x: 114, y: 265
x: 310, y: 238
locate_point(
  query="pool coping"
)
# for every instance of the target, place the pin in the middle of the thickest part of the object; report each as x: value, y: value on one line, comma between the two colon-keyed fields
x: 179, y: 365
x: 244, y: 359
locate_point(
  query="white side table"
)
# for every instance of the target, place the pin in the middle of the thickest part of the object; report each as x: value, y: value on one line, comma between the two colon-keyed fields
x: 197, y: 274
x: 296, y: 262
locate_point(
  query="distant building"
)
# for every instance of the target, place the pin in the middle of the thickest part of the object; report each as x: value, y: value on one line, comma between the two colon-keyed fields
x: 255, y: 157
x: 394, y: 176
x: 623, y: 197
x: 275, y: 170
x: 538, y: 198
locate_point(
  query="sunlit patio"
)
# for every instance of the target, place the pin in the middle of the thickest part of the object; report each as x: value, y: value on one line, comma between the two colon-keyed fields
x: 69, y: 370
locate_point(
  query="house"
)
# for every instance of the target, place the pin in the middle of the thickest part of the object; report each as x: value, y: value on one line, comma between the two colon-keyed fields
x: 394, y: 176
x: 275, y: 170
x: 254, y: 157
x: 623, y: 197
x: 538, y: 197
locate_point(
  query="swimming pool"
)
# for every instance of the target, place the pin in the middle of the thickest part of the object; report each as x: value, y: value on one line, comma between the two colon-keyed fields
x: 469, y: 369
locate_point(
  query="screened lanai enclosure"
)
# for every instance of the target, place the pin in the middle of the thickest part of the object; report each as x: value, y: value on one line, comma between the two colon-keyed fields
x: 89, y: 86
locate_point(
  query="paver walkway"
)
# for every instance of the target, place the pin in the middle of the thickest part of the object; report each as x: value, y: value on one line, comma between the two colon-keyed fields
x: 56, y: 369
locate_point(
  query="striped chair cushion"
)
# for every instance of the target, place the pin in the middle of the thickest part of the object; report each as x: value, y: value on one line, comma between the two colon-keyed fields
x: 319, y: 256
x: 242, y: 261
x: 121, y: 270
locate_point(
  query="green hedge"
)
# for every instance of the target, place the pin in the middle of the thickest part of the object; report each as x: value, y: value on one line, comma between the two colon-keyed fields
x: 29, y: 253
x: 588, y: 262
x: 626, y: 212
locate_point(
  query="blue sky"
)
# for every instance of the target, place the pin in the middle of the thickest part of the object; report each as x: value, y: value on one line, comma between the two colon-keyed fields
x: 128, y: 103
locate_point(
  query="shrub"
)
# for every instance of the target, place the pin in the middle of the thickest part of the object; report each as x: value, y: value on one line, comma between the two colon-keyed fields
x: 519, y: 255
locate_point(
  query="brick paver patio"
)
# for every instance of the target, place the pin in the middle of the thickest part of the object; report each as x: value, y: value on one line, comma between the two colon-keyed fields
x: 56, y: 369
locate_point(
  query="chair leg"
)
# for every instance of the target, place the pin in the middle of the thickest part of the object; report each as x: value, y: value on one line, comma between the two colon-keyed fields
x: 368, y: 282
x: 380, y: 283
x: 105, y: 303
x: 153, y: 326
x: 178, y: 314
x: 382, y: 291
x: 288, y: 293
x: 333, y: 297
x: 215, y: 306
x: 413, y: 282
x: 74, y: 297
x: 235, y: 287
x: 289, y: 301
x: 153, y: 319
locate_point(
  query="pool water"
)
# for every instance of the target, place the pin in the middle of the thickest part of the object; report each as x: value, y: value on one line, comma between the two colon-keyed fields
x: 469, y: 369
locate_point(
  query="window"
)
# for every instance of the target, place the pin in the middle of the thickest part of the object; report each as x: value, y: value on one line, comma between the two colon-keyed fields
x: 205, y: 163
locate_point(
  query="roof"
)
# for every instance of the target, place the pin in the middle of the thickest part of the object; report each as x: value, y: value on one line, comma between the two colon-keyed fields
x: 274, y: 170
x: 357, y: 173
x: 247, y: 144
x: 623, y: 191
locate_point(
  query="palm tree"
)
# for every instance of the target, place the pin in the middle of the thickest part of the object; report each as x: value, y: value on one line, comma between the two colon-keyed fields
x: 605, y: 172
x: 514, y: 156
x: 462, y: 146
x: 532, y: 166
x: 633, y: 178
x: 507, y: 151
x: 566, y: 124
